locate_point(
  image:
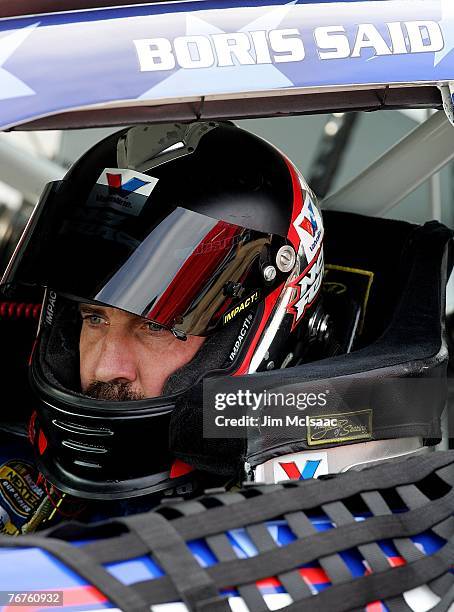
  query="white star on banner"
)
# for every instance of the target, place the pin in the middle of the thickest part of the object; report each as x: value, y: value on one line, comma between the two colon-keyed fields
x: 246, y: 78
x: 10, y: 85
x: 447, y: 26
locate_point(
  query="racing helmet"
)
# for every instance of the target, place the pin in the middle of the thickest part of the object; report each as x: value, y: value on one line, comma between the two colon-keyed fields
x: 200, y: 229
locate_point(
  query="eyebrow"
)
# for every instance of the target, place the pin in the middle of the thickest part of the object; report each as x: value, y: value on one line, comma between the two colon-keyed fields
x: 90, y: 308
x: 103, y: 312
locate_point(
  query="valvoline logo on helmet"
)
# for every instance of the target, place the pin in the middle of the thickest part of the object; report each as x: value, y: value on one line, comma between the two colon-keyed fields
x: 122, y: 189
x: 309, y: 226
x: 118, y: 186
x: 310, y: 223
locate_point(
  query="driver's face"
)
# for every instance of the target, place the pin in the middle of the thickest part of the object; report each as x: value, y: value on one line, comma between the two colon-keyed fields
x: 123, y: 356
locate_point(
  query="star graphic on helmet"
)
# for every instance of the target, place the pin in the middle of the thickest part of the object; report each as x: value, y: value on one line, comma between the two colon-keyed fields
x: 307, y: 286
x: 217, y: 78
x: 10, y: 85
x: 447, y: 24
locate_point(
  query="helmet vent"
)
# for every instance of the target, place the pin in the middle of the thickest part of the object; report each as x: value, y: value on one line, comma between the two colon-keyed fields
x: 82, y: 429
x: 84, y: 448
x: 88, y: 464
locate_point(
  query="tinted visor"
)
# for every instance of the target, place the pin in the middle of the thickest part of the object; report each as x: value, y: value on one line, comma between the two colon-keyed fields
x: 125, y: 247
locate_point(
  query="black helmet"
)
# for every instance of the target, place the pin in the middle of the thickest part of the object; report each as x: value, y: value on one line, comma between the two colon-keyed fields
x: 202, y: 230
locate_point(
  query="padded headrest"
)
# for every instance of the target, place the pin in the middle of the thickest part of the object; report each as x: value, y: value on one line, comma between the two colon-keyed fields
x: 403, y: 338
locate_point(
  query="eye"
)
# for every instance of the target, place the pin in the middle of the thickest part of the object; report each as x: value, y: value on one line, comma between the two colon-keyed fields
x: 92, y: 319
x: 154, y: 328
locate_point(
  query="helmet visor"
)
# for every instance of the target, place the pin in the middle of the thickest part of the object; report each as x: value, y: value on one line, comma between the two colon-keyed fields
x: 125, y: 247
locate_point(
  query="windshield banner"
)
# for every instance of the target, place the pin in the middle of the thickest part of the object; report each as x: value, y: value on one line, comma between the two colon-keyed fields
x: 181, y: 51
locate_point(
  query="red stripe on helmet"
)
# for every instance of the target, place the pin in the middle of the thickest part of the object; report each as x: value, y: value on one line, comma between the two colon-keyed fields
x: 298, y: 203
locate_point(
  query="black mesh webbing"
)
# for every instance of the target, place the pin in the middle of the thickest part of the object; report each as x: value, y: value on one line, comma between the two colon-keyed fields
x: 87, y: 567
x: 425, y: 484
x: 191, y: 582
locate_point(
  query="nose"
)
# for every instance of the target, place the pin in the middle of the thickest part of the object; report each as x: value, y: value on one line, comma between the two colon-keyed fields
x: 116, y: 361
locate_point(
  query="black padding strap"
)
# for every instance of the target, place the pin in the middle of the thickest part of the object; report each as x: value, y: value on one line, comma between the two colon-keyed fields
x: 171, y: 552
x: 120, y: 548
x: 445, y: 529
x: 441, y: 586
x: 445, y: 605
x: 301, y: 526
x: 447, y: 474
x: 223, y: 550
x: 398, y: 604
x: 157, y: 591
x: 372, y: 553
x: 405, y: 547
x: 291, y: 580
x: 295, y: 586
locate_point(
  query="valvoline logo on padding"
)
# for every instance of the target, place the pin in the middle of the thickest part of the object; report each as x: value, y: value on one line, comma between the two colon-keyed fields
x: 300, y: 466
x: 295, y: 473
